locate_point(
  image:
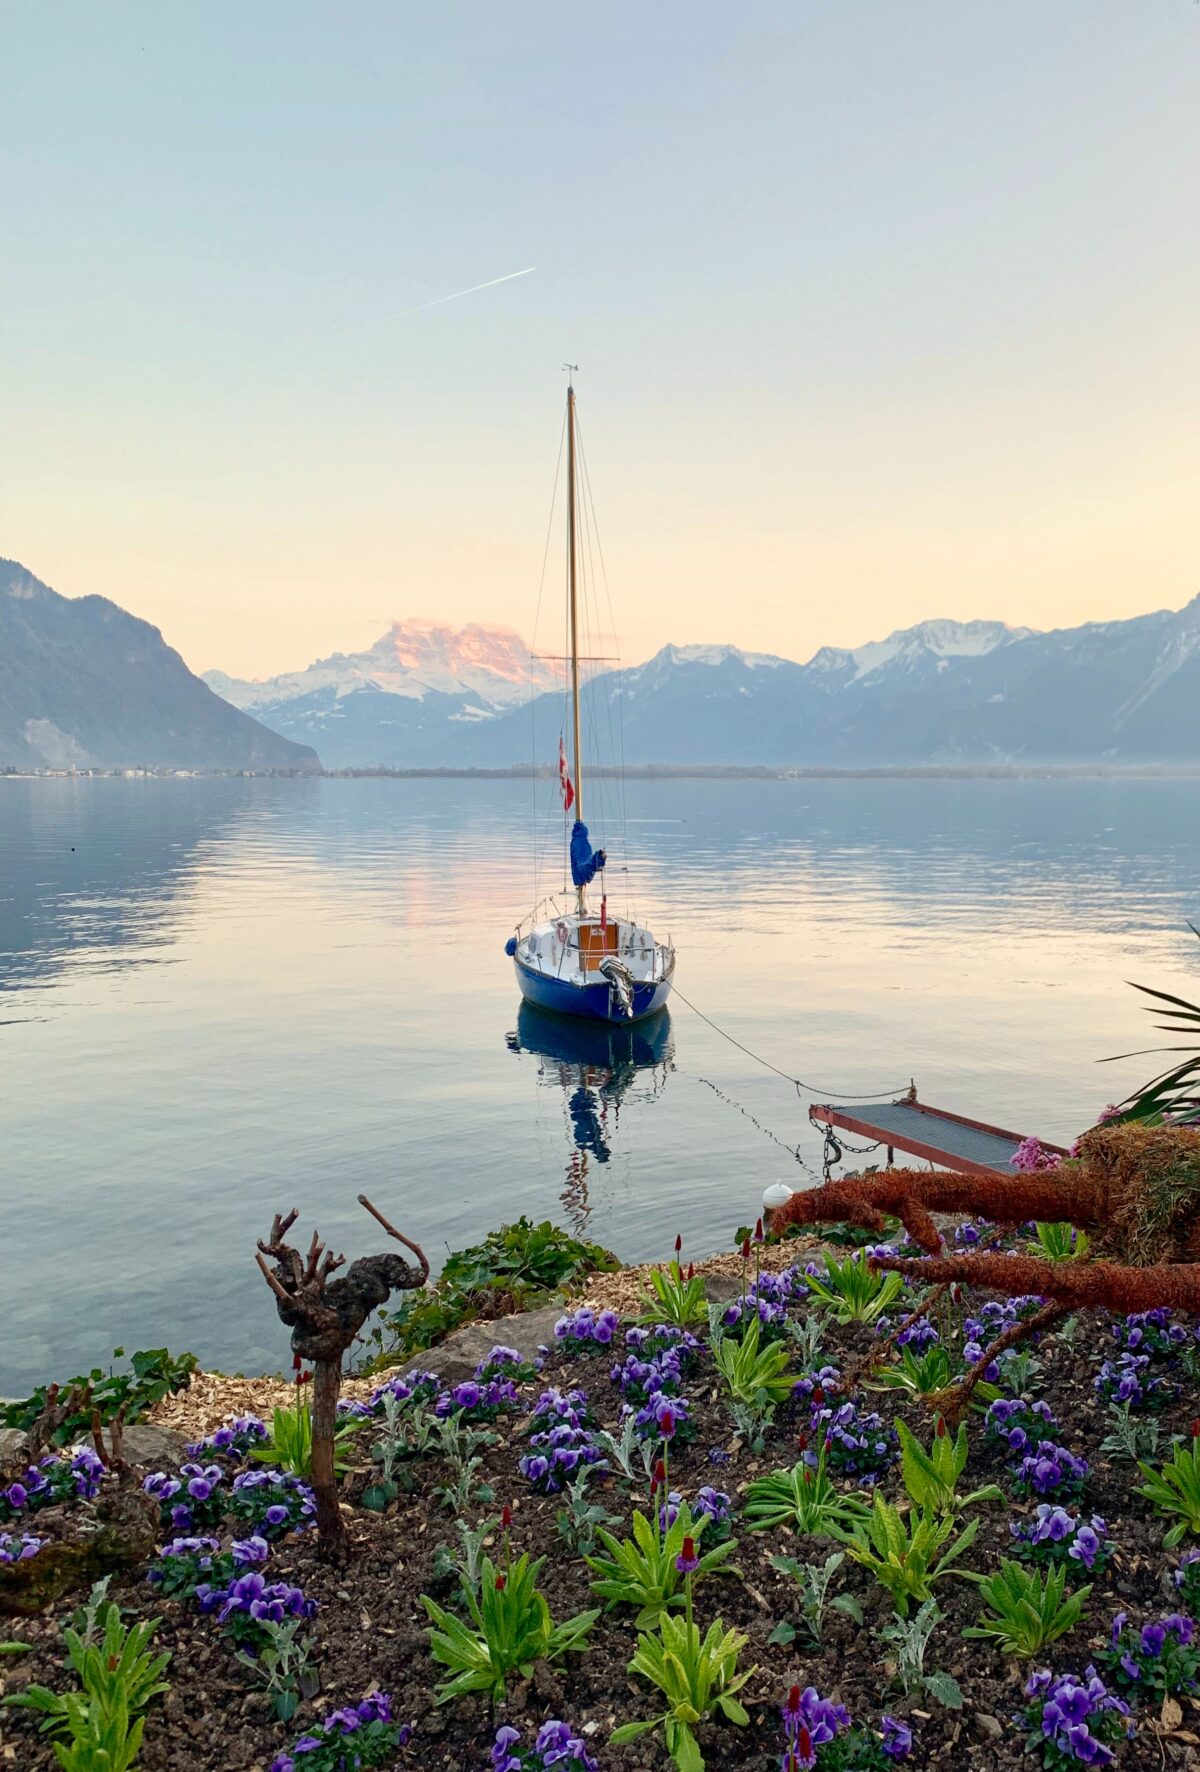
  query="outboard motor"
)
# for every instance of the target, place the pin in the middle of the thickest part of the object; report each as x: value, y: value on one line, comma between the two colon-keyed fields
x: 620, y: 981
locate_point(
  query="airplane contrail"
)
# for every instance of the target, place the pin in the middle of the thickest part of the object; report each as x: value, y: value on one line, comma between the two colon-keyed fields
x: 457, y: 296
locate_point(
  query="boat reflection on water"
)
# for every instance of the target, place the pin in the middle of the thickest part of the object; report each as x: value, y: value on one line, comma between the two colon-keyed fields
x: 597, y: 1065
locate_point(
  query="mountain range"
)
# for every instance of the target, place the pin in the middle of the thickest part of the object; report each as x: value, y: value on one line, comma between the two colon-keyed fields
x: 942, y: 692
x: 84, y: 685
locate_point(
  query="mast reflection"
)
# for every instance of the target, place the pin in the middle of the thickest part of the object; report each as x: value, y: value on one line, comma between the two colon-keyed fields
x: 597, y: 1066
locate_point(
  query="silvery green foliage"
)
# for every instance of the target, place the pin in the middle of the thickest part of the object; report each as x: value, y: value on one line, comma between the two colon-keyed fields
x: 621, y: 1452
x: 457, y: 1496
x: 578, y: 1520
x: 908, y: 1639
x: 282, y: 1663
x: 806, y: 1333
x: 813, y: 1581
x: 458, y: 1443
x: 469, y: 1563
x: 751, y: 1421
x: 1017, y: 1370
x: 1130, y: 1438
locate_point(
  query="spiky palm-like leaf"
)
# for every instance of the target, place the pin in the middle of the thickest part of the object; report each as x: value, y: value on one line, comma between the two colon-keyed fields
x: 1175, y: 1093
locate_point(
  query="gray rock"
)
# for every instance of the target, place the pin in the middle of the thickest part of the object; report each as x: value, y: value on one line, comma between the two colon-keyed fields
x: 990, y: 1728
x: 722, y: 1288
x: 145, y: 1444
x: 12, y: 1445
x: 148, y: 1445
x: 460, y: 1353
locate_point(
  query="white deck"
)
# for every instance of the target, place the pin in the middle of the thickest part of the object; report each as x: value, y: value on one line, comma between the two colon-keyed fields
x: 552, y: 948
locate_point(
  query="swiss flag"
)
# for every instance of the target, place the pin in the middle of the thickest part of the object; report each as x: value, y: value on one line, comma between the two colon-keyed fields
x: 564, y: 778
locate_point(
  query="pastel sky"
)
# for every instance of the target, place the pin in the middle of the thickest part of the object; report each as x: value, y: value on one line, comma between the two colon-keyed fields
x: 884, y: 309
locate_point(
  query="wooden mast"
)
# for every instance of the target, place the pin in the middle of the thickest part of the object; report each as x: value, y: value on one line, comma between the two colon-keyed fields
x: 572, y: 569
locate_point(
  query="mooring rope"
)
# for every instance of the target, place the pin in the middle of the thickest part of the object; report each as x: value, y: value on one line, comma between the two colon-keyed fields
x: 816, y: 1090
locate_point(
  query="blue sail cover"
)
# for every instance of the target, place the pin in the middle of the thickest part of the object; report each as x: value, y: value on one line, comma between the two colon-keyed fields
x: 584, y: 860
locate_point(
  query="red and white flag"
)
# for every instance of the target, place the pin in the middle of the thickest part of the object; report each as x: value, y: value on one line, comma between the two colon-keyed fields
x: 564, y: 777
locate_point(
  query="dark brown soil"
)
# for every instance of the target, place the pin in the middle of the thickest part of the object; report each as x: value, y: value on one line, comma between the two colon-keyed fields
x: 371, y: 1628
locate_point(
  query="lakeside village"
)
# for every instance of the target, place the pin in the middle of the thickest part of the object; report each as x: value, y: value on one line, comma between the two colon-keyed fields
x: 910, y: 1477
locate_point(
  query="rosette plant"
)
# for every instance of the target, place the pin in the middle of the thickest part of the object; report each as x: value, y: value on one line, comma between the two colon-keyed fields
x: 697, y: 1676
x: 510, y: 1630
x: 644, y: 1570
x: 902, y: 1554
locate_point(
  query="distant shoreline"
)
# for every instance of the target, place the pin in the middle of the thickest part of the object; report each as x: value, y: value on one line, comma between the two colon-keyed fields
x: 657, y: 772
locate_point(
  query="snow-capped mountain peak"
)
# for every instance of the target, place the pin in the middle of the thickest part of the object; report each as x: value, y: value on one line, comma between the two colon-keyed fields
x: 491, y: 665
x: 939, y: 639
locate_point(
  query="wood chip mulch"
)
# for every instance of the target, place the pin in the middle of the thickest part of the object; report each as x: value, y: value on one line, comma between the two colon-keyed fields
x: 213, y: 1399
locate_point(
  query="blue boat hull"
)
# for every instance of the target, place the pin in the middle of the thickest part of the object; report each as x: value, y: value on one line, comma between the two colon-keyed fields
x: 592, y: 1001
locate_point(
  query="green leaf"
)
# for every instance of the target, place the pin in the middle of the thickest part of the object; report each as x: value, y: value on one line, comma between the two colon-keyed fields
x: 946, y: 1689
x: 630, y: 1731
x: 685, y: 1750
x: 783, y: 1633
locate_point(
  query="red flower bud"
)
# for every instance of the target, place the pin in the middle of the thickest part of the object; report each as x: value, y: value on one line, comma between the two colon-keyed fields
x: 758, y: 1230
x: 804, y: 1744
x: 1196, y: 1429
x: 678, y: 1244
x: 745, y: 1248
x: 802, y: 1442
x: 297, y: 1362
x: 818, y: 1395
x: 940, y: 1428
x: 304, y: 1378
x: 689, y: 1548
x: 666, y: 1423
x: 793, y: 1702
x: 660, y: 1471
x: 956, y: 1293
x: 691, y: 1273
x: 506, y: 1516
x: 501, y: 1583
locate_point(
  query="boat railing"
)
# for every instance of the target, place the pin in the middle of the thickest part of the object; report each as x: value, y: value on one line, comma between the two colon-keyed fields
x: 552, y: 902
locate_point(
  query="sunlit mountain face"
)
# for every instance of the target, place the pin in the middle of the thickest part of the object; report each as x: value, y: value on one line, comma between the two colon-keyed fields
x: 413, y: 659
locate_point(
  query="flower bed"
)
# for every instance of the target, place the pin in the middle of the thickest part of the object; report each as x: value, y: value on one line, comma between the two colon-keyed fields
x: 618, y: 1419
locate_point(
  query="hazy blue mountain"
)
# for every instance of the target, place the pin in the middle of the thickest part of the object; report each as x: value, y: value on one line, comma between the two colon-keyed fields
x: 943, y: 692
x: 84, y: 684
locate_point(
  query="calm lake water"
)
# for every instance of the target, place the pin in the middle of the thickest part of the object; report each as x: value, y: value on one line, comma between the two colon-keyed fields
x: 223, y: 998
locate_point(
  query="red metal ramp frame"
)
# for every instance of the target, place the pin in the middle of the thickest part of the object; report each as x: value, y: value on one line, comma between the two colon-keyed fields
x: 930, y: 1133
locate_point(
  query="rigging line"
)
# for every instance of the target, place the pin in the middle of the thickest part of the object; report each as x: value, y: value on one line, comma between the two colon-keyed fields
x: 616, y: 739
x: 598, y: 819
x: 533, y: 644
x: 798, y: 1082
x: 612, y: 620
x: 591, y: 631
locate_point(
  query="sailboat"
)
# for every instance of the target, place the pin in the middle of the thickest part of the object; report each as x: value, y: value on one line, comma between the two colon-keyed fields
x: 573, y: 959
